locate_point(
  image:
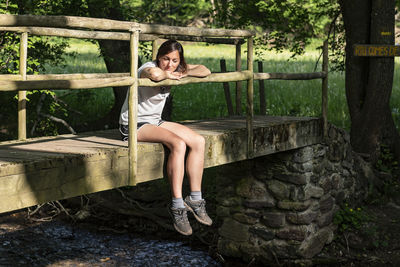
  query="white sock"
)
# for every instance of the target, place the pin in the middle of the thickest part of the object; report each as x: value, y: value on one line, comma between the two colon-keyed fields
x: 195, y: 195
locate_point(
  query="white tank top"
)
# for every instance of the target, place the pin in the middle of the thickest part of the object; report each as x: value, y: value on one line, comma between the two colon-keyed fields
x: 151, y: 101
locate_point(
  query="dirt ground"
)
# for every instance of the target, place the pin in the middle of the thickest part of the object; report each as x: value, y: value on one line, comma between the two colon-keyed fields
x: 376, y: 243
x: 108, y: 241
x: 61, y: 242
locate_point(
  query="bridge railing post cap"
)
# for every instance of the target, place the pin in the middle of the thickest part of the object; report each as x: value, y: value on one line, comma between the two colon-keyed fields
x: 135, y: 27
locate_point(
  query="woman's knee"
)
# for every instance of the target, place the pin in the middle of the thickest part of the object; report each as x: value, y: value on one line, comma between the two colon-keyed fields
x: 178, y: 146
x: 198, y: 142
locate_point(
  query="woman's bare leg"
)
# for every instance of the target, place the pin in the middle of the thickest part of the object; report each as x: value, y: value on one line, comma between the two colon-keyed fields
x: 176, y: 159
x: 195, y: 159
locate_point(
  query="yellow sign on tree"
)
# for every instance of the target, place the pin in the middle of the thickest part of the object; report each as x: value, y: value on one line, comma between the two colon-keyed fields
x: 376, y: 50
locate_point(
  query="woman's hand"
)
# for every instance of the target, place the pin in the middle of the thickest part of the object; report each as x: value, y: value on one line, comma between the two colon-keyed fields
x: 174, y: 75
x: 156, y: 74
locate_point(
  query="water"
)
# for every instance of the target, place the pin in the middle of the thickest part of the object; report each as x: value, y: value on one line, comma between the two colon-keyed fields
x: 58, y: 244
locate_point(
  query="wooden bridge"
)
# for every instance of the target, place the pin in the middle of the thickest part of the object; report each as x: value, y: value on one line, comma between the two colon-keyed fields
x: 38, y: 170
x: 44, y: 169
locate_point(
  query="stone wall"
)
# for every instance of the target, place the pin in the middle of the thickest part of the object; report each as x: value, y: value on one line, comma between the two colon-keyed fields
x: 281, y: 206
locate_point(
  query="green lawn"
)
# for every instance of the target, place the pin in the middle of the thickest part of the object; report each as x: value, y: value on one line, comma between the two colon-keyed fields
x: 202, y: 101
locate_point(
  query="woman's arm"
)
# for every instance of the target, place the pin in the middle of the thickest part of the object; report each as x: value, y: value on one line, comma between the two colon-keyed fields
x: 156, y: 74
x: 197, y: 71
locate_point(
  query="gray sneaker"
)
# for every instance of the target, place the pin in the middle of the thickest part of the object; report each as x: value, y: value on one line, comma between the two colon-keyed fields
x: 180, y: 220
x: 198, y: 208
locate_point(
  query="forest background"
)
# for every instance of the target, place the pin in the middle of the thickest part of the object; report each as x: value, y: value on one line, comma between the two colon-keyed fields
x: 289, y: 38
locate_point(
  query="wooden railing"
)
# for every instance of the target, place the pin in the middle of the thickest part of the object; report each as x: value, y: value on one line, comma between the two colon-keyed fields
x: 73, y: 27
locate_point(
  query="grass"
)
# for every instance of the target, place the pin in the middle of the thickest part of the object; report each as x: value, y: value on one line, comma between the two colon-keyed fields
x: 203, y: 101
x: 84, y: 57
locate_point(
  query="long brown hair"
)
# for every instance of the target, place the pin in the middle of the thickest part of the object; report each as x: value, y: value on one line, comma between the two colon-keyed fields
x: 168, y: 47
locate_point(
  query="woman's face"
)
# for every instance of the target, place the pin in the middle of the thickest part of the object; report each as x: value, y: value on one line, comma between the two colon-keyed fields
x: 170, y: 61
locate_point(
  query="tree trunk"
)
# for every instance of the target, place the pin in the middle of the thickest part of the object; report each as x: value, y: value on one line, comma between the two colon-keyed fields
x: 369, y: 80
x: 116, y: 58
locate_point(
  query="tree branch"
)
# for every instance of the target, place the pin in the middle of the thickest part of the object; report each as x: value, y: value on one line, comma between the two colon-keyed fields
x: 60, y: 121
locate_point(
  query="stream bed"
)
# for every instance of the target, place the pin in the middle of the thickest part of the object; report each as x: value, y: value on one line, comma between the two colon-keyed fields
x: 58, y: 243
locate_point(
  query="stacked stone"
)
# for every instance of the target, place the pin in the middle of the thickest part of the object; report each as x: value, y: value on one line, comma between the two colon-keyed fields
x: 281, y: 206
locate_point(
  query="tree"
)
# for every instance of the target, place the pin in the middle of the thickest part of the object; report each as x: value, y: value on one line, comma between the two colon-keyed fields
x: 369, y: 80
x: 168, y: 12
x: 291, y: 24
x: 40, y: 53
x: 115, y: 53
x: 281, y: 24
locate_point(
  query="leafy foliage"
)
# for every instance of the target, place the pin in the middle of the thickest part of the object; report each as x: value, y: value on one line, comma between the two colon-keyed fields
x: 387, y: 162
x: 169, y: 12
x: 349, y: 218
x: 282, y: 24
x: 41, y: 51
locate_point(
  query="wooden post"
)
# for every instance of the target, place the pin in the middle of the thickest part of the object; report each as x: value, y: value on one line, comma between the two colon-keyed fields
x: 154, y: 50
x: 23, y: 55
x: 227, y: 91
x: 263, y: 109
x: 250, y: 94
x: 238, y: 83
x: 133, y: 103
x: 325, y: 61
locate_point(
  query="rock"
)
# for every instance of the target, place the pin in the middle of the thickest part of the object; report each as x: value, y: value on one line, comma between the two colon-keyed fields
x: 340, y: 197
x: 335, y: 153
x: 280, y: 249
x: 249, y: 252
x: 314, y: 244
x: 229, y: 201
x: 303, y: 155
x: 240, y: 217
x: 325, y: 183
x: 222, y: 211
x: 262, y: 232
x: 305, y: 217
x: 279, y: 189
x: 251, y: 188
x: 319, y: 151
x: 306, y: 167
x: 298, y: 179
x: 294, y: 205
x: 234, y: 230
x: 273, y: 219
x: 267, y: 202
x: 325, y: 219
x: 228, y: 248
x: 292, y: 233
x: 312, y: 191
x: 326, y: 204
x: 336, y: 181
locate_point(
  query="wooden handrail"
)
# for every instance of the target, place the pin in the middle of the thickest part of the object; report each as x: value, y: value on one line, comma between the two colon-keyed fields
x: 14, y: 82
x: 289, y: 76
x: 214, y: 77
x: 108, y: 24
x: 99, y: 80
x: 121, y: 36
x: 65, y: 84
x: 66, y: 22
